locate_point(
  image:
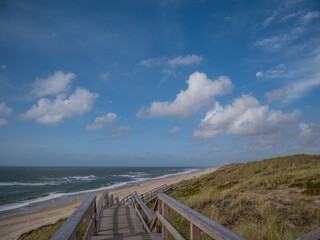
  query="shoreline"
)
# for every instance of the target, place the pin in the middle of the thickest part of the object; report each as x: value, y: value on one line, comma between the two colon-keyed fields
x: 11, y: 227
x: 56, y: 199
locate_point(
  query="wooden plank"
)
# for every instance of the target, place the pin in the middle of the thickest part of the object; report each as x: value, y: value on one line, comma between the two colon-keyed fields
x: 99, y: 208
x: 195, y: 232
x: 70, y: 227
x: 109, y: 202
x: 141, y: 218
x: 169, y: 227
x: 143, y: 206
x: 88, y: 232
x: 165, y: 233
x: 313, y: 235
x: 208, y: 226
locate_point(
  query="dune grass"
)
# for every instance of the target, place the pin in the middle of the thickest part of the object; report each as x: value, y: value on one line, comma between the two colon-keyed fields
x: 42, y: 233
x: 276, y: 198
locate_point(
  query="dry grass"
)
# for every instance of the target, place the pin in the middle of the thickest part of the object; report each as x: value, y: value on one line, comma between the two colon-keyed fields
x: 270, y: 199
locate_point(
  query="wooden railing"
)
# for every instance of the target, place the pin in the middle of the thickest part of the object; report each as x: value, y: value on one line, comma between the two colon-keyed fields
x: 159, y: 219
x: 150, y: 195
x: 88, y: 212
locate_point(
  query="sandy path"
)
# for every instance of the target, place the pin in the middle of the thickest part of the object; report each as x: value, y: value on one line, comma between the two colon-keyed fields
x: 12, y: 227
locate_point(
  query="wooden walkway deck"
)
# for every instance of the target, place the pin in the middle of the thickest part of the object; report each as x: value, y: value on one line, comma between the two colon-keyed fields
x: 121, y: 222
x: 131, y: 219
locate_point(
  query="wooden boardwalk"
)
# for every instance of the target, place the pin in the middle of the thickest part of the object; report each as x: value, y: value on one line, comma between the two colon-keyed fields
x: 131, y: 219
x: 121, y: 222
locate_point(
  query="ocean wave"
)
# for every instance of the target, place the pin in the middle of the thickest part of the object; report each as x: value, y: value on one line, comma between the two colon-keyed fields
x: 6, y: 184
x: 54, y: 195
x: 50, y: 181
x: 137, y: 178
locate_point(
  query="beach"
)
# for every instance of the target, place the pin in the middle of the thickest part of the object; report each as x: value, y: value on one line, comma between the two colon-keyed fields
x: 12, y: 227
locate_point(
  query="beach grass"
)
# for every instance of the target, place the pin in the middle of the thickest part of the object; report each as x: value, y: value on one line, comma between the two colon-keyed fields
x: 42, y: 233
x: 277, y: 198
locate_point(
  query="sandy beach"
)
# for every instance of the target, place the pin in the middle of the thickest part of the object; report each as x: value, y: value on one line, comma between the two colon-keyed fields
x: 12, y: 227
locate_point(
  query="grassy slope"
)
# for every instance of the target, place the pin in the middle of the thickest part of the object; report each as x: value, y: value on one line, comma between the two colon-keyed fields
x: 274, y: 198
x: 43, y: 233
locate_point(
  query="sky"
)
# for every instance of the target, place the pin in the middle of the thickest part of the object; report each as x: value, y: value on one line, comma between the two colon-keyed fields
x: 158, y: 83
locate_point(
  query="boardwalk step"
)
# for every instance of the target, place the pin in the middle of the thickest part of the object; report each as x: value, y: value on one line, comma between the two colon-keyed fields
x: 132, y: 236
x: 121, y: 223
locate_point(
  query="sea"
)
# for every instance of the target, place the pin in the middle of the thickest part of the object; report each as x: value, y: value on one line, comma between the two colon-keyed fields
x: 25, y: 189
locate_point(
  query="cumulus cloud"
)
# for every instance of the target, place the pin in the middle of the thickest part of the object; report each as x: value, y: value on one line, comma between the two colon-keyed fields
x: 246, y: 117
x: 120, y: 131
x: 54, y: 84
x: 3, y: 122
x: 275, y: 95
x: 173, y: 62
x: 309, y: 136
x: 102, y: 121
x: 5, y: 110
x: 200, y: 91
x: 52, y: 112
x: 259, y: 74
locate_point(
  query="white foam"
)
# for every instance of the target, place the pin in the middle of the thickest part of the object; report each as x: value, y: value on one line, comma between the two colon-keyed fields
x: 54, y: 195
x: 5, y: 184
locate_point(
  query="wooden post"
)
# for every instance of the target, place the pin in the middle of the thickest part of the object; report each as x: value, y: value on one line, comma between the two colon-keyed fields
x: 158, y: 222
x: 195, y: 232
x: 143, y: 216
x: 165, y: 233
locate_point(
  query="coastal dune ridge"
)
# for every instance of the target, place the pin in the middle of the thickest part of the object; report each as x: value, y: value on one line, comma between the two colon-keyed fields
x: 11, y: 227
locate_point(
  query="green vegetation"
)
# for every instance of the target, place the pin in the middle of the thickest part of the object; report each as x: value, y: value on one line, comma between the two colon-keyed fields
x: 47, y: 231
x: 276, y: 198
x: 42, y: 233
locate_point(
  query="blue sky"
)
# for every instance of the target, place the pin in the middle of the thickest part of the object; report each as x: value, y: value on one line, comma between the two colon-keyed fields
x: 158, y: 83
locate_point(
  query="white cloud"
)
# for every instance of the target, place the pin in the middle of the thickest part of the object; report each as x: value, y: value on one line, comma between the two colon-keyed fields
x: 185, y: 60
x: 200, y: 91
x: 5, y: 110
x: 105, y: 76
x: 53, y: 112
x: 275, y: 95
x: 3, y: 66
x: 259, y: 74
x: 300, y: 88
x: 246, y: 117
x: 309, y: 16
x: 54, y: 84
x: 174, y: 62
x: 102, y: 121
x: 272, y: 73
x: 120, y: 131
x: 173, y: 131
x: 158, y: 61
x: 3, y: 122
x: 275, y: 43
x: 309, y: 136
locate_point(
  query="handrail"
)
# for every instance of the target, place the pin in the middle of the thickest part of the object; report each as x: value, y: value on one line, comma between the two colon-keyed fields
x: 143, y: 206
x: 198, y: 221
x: 109, y: 202
x: 144, y: 224
x: 169, y: 227
x: 313, y: 235
x: 100, y: 207
x: 69, y: 229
